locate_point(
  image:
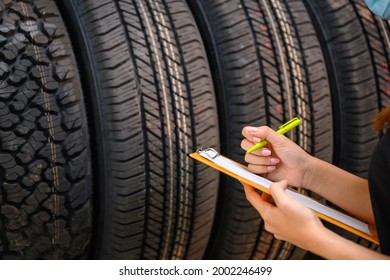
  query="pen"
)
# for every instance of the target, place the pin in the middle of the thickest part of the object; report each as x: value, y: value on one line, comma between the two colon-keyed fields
x: 282, y: 130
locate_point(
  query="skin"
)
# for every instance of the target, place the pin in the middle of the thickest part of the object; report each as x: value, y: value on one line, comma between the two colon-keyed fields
x: 286, y: 163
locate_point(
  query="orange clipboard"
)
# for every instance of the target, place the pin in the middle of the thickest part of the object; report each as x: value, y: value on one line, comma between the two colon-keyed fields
x: 211, y: 154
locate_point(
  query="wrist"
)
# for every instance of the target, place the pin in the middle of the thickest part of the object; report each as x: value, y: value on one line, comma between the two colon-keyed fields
x: 309, y: 173
x: 320, y: 240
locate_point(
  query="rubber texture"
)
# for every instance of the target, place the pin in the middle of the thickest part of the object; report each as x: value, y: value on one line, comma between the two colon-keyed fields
x: 152, y: 102
x: 357, y: 48
x: 45, y: 166
x: 268, y: 67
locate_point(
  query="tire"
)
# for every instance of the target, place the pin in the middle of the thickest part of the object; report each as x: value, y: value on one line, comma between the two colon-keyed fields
x: 45, y: 198
x: 357, y: 48
x: 152, y: 98
x: 268, y: 66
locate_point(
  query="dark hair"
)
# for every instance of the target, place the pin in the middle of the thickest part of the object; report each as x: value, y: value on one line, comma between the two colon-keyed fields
x: 382, y: 119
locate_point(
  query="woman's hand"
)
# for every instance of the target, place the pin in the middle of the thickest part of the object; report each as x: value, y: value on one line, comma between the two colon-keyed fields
x: 293, y: 222
x: 280, y: 158
x: 289, y: 220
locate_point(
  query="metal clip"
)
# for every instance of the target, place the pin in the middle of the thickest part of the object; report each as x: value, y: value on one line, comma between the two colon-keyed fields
x: 210, y: 152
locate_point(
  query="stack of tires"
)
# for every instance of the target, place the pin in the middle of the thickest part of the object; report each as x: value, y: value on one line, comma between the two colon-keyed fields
x: 101, y: 101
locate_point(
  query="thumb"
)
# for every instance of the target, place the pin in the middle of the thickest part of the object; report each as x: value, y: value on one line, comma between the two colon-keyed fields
x: 278, y: 192
x: 255, y: 199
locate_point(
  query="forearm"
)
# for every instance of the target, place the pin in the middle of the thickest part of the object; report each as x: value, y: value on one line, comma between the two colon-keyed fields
x: 291, y: 221
x: 329, y: 245
x: 340, y: 187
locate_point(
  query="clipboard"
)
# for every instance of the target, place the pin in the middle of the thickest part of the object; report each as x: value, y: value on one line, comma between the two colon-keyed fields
x: 238, y: 171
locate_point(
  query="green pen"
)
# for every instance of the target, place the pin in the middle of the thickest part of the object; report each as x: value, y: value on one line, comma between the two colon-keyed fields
x: 282, y: 130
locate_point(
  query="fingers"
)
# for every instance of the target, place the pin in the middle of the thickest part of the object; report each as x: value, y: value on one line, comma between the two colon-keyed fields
x: 260, y: 161
x: 249, y: 158
x: 255, y: 134
x: 261, y: 164
x: 278, y: 193
x: 255, y: 199
x: 246, y: 145
x: 261, y: 169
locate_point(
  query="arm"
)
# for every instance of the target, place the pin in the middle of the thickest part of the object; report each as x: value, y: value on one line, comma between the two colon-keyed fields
x: 283, y: 159
x: 329, y: 245
x: 291, y: 221
x: 340, y: 187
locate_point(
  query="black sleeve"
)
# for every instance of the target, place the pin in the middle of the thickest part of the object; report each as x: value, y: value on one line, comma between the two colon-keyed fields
x: 379, y: 184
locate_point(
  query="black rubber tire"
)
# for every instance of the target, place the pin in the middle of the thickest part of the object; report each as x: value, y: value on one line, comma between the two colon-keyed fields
x: 357, y: 48
x: 268, y: 67
x: 45, y: 198
x: 152, y: 98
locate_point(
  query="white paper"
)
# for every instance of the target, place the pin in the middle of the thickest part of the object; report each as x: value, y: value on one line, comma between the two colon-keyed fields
x: 309, y: 202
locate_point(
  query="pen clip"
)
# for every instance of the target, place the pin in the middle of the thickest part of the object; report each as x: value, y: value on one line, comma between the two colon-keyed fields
x: 289, y: 122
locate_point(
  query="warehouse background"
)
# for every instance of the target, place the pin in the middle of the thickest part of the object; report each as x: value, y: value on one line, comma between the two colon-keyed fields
x: 101, y: 101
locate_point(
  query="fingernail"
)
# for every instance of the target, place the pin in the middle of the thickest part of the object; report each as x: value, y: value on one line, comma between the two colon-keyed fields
x: 265, y: 152
x: 256, y: 139
x: 251, y: 129
x: 275, y: 160
x: 271, y: 168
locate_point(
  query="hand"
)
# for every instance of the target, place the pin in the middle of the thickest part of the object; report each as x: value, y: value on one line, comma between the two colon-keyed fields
x: 280, y: 158
x: 289, y: 220
x: 293, y: 222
